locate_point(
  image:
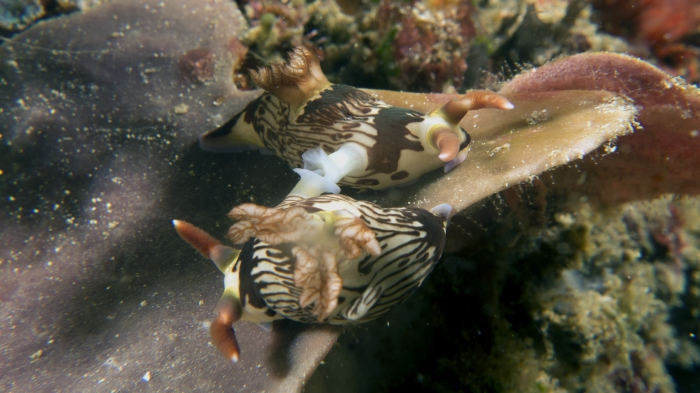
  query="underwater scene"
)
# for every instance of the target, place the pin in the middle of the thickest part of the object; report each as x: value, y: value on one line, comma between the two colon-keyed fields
x: 349, y: 196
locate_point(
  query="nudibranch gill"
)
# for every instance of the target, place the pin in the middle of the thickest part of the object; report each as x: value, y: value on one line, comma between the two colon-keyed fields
x: 337, y: 134
x: 327, y: 259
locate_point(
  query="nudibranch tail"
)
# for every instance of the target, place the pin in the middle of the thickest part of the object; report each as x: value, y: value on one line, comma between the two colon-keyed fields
x: 229, y: 310
x: 206, y: 244
x: 234, y: 136
x: 295, y: 82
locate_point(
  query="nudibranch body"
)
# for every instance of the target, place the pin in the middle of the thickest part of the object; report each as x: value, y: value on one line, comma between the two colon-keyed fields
x: 339, y: 134
x: 325, y: 259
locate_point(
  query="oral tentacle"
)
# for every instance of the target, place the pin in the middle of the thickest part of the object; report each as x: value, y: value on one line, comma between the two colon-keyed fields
x: 222, y: 334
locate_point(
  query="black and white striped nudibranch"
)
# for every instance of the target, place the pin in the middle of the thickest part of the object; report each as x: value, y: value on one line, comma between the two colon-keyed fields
x: 326, y: 259
x: 337, y: 134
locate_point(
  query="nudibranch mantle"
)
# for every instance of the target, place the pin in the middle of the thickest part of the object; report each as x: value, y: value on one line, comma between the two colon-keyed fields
x: 335, y: 133
x: 325, y: 259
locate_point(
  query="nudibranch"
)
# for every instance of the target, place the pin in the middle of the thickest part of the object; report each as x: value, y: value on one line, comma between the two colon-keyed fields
x: 327, y: 259
x: 337, y: 134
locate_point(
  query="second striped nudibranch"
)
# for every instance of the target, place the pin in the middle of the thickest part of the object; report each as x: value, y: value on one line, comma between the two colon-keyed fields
x: 337, y: 134
x: 324, y: 259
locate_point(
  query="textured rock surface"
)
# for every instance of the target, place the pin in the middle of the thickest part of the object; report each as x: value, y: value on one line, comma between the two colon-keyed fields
x: 100, y: 115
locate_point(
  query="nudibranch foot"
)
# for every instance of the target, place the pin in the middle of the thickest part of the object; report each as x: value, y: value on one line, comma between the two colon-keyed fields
x: 443, y: 211
x: 459, y: 158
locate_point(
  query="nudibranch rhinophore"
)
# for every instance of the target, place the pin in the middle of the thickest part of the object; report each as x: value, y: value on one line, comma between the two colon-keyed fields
x: 325, y: 259
x: 337, y: 134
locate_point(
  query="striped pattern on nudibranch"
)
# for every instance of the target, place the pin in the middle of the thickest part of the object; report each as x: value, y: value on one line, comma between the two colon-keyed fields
x: 337, y: 134
x: 411, y: 240
x: 337, y: 115
x: 322, y: 259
